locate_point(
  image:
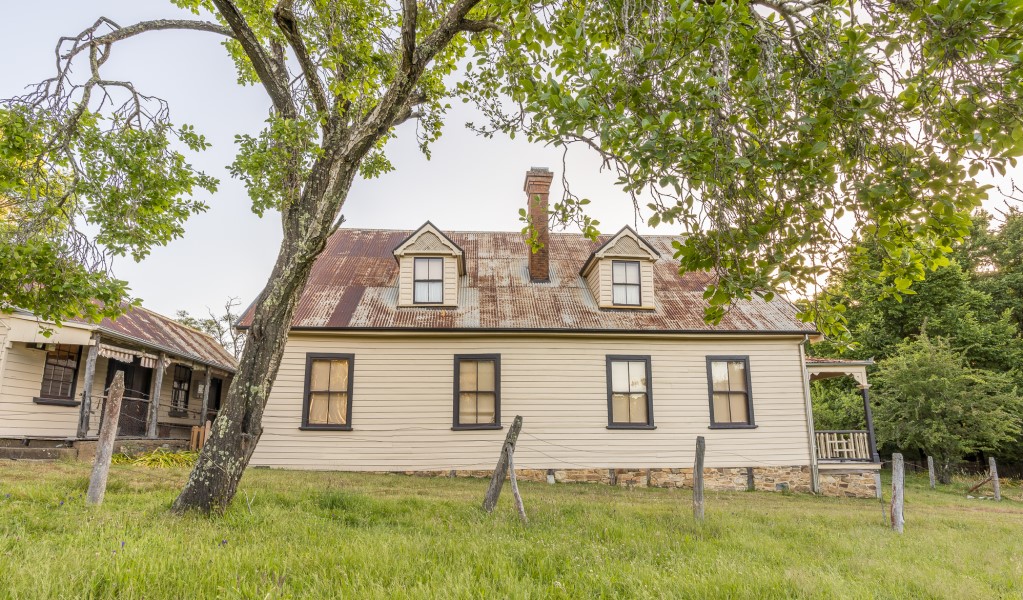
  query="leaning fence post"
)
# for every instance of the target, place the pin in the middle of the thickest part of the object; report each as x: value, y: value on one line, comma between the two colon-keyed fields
x: 515, y: 488
x: 993, y: 467
x: 701, y: 446
x: 497, y: 481
x: 930, y: 470
x: 105, y: 446
x: 898, y: 492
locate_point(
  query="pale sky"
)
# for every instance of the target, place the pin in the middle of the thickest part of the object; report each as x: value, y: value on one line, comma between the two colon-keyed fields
x: 470, y: 184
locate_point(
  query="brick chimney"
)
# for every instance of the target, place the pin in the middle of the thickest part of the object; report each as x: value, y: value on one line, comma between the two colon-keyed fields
x: 537, y: 188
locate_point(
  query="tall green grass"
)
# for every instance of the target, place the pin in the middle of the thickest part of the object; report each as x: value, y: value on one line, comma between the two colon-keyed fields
x: 334, y: 535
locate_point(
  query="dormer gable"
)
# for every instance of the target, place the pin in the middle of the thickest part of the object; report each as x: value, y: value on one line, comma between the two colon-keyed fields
x: 429, y: 266
x: 620, y: 273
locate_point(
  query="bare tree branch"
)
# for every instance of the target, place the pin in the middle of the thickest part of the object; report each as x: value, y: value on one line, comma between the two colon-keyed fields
x: 284, y: 16
x: 120, y: 33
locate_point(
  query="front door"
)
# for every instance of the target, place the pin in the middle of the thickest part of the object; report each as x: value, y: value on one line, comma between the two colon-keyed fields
x: 135, y: 405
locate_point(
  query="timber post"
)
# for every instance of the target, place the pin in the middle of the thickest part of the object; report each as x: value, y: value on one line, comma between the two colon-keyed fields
x: 105, y: 447
x: 993, y: 468
x: 154, y: 396
x: 869, y: 414
x: 515, y: 488
x: 205, y: 397
x: 501, y: 471
x: 898, y: 492
x: 701, y: 446
x: 930, y: 470
x: 90, y: 375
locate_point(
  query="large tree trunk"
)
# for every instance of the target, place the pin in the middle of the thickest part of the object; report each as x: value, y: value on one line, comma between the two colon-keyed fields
x: 307, y: 225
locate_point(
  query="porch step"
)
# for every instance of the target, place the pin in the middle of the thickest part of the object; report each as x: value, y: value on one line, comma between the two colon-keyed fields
x: 37, y: 453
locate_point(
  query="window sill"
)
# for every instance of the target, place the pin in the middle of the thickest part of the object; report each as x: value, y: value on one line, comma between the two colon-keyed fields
x: 56, y: 401
x: 626, y: 307
x: 475, y: 427
x: 325, y: 427
x: 620, y: 426
x: 726, y: 426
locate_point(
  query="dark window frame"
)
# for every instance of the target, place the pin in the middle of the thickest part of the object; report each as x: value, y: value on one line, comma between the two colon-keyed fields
x: 415, y: 281
x: 314, y: 356
x: 638, y: 286
x: 61, y: 400
x: 611, y: 423
x: 751, y: 424
x: 177, y: 409
x: 455, y: 424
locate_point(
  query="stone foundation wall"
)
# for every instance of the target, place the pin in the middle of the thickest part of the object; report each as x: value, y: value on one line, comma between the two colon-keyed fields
x: 794, y: 479
x: 851, y: 483
x: 87, y: 448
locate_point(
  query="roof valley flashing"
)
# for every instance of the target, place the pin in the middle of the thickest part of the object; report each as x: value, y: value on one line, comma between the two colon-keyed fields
x: 497, y: 283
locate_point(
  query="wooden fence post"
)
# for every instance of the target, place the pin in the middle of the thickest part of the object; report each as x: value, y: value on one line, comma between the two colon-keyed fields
x: 930, y: 470
x: 497, y: 481
x: 701, y: 446
x: 515, y: 488
x: 993, y: 467
x: 105, y: 446
x: 898, y: 492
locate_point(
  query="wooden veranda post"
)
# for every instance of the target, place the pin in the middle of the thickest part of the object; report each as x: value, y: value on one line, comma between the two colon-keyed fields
x: 105, y: 447
x: 501, y: 471
x: 993, y: 467
x: 898, y: 492
x: 154, y: 396
x: 90, y: 375
x: 205, y: 397
x: 701, y: 446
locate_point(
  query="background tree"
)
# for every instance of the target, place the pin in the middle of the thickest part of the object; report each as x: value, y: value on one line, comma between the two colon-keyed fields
x: 762, y: 129
x: 929, y: 398
x: 219, y: 327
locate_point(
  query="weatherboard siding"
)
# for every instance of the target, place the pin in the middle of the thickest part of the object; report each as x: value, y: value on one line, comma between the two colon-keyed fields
x: 22, y: 380
x: 403, y: 394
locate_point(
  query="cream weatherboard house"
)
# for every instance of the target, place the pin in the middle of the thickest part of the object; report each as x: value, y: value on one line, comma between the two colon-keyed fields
x: 411, y: 351
x: 52, y: 387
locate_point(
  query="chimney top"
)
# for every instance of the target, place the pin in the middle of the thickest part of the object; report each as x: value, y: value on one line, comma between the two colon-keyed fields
x: 540, y: 175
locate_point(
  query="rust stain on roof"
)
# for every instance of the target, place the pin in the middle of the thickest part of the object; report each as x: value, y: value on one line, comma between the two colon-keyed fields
x: 354, y: 285
x: 157, y: 331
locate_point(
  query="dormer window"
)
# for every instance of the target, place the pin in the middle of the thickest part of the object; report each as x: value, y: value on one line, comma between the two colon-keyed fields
x: 625, y: 283
x: 428, y: 277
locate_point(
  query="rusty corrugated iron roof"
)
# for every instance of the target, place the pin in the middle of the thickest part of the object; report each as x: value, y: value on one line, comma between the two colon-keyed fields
x: 354, y: 285
x: 154, y: 330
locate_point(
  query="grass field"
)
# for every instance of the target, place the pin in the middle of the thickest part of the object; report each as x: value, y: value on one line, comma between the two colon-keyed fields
x: 333, y: 535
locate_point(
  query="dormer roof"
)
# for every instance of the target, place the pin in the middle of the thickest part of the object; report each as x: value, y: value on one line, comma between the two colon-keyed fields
x: 626, y: 243
x: 429, y: 240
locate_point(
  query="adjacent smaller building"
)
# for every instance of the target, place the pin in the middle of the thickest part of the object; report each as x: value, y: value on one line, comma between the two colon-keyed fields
x: 52, y: 387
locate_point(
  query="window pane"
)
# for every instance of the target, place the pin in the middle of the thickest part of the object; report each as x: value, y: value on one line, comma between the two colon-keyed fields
x: 467, y: 408
x: 467, y: 376
x: 721, y: 410
x: 637, y: 408
x: 485, y: 405
x: 739, y: 412
x: 632, y: 272
x: 619, y: 408
x: 319, y: 380
x: 436, y: 268
x: 632, y: 295
x: 619, y: 376
x: 436, y: 293
x: 617, y: 272
x: 338, y: 408
x: 486, y: 376
x: 422, y: 269
x: 719, y: 374
x: 737, y: 376
x: 637, y: 376
x: 318, y: 408
x: 619, y: 295
x: 339, y: 375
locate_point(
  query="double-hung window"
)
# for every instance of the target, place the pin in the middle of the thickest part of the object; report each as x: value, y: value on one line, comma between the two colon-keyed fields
x: 60, y: 372
x: 629, y: 395
x: 179, y: 391
x: 477, y: 391
x: 731, y: 404
x: 625, y: 283
x: 428, y: 280
x: 328, y: 393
